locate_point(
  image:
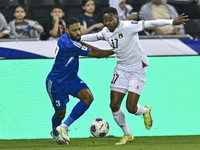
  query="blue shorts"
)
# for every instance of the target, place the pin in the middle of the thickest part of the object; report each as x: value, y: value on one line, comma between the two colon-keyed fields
x: 60, y: 97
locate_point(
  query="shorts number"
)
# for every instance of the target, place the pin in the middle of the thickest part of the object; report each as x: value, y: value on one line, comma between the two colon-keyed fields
x: 114, y: 79
x: 57, y: 103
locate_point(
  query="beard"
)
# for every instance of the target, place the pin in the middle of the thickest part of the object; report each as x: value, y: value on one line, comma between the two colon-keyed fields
x: 76, y: 38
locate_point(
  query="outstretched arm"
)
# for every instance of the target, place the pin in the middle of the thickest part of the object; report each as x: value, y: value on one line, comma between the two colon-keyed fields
x: 180, y: 19
x: 161, y: 22
x: 96, y: 52
x: 92, y: 37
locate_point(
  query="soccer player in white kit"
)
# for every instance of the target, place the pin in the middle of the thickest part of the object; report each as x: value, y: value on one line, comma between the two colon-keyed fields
x: 130, y: 73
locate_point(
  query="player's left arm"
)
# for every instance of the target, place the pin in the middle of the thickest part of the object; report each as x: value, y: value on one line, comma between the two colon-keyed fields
x: 180, y: 19
x: 161, y: 22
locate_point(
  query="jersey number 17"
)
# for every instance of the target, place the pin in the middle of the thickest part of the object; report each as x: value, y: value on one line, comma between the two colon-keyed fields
x: 114, y: 43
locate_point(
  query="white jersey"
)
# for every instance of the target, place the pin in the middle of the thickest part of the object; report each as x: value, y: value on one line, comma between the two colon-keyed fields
x: 125, y: 43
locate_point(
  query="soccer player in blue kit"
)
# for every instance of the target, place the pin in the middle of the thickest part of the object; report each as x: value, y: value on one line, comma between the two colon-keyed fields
x: 63, y: 80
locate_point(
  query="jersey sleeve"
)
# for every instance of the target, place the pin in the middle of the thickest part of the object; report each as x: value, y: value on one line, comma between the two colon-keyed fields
x: 92, y: 37
x: 136, y: 26
x: 157, y: 23
x: 100, y: 35
x: 77, y: 49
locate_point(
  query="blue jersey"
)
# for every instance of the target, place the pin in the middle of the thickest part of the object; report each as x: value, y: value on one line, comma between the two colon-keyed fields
x: 66, y: 63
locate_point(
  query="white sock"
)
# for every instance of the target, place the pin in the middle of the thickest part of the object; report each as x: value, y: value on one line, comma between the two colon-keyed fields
x: 120, y: 120
x: 141, y: 110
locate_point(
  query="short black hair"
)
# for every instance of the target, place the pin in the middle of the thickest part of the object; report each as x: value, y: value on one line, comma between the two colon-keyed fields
x: 70, y: 21
x: 85, y: 1
x: 22, y: 6
x: 110, y: 10
x: 57, y: 6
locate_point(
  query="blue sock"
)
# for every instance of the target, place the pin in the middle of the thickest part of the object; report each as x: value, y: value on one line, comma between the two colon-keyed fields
x: 77, y: 111
x: 55, y: 122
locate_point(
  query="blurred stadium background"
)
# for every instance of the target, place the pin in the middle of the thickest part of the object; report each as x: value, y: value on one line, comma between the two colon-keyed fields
x: 172, y: 86
x: 39, y: 10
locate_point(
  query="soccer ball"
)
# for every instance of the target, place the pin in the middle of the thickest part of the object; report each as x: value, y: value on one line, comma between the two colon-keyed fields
x: 99, y: 127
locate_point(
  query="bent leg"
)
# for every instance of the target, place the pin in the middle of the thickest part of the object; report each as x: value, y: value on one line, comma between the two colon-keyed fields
x: 136, y: 84
x: 118, y: 114
x: 116, y: 100
x: 132, y: 104
x: 56, y: 122
x: 86, y: 98
x: 59, y: 100
x: 134, y: 108
x: 56, y: 119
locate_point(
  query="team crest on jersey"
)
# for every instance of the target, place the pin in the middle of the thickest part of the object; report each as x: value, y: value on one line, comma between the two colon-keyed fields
x: 120, y: 35
x: 84, y: 48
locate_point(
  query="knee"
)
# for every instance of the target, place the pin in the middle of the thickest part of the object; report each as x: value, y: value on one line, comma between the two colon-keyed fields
x: 60, y: 114
x: 114, y: 106
x: 89, y: 99
x: 131, y: 109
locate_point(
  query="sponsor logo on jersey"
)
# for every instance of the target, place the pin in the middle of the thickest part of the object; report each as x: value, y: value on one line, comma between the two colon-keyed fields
x: 81, y: 82
x: 84, y: 48
x: 134, y: 22
x: 138, y: 88
x: 120, y: 35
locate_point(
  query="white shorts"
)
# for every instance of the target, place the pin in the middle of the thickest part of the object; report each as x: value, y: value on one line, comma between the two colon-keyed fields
x: 123, y: 81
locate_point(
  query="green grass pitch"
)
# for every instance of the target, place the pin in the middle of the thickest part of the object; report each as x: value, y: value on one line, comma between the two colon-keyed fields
x: 107, y: 143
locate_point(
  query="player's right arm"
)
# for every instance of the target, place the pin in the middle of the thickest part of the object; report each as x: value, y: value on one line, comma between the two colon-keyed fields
x: 96, y: 52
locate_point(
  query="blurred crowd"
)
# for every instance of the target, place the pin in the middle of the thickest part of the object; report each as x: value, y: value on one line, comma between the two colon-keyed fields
x: 24, y: 25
